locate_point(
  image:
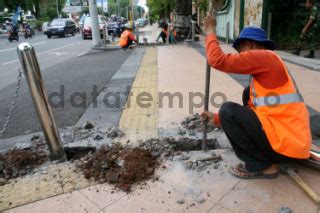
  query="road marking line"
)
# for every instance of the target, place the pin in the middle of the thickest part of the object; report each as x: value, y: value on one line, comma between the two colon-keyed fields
x: 83, y: 53
x: 10, y: 62
x: 14, y: 48
x: 42, y: 53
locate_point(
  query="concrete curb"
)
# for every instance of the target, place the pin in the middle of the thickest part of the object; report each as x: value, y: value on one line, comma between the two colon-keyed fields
x: 107, y: 48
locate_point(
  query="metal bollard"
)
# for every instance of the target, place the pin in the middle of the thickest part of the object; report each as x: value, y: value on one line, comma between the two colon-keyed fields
x: 29, y: 62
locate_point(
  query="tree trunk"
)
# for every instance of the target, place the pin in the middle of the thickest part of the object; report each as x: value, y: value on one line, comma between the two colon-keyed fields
x: 184, y: 7
x: 182, y: 22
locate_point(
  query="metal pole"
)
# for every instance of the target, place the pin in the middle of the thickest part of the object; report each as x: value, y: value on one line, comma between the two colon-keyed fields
x: 227, y: 32
x: 137, y: 32
x: 57, y: 6
x: 168, y: 36
x: 127, y: 11
x: 29, y: 62
x: 104, y: 36
x: 269, y: 25
x: 206, y: 106
x: 102, y: 8
x: 193, y: 30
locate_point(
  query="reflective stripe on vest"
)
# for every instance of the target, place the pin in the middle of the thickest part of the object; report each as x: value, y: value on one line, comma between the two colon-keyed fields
x: 274, y: 100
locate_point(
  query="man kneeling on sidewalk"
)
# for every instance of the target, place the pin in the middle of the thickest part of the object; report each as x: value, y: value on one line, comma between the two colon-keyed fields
x: 273, y: 125
x: 127, y: 37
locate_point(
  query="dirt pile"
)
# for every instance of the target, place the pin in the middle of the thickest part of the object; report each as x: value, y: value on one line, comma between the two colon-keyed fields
x: 16, y: 163
x: 119, y: 166
x: 194, y: 123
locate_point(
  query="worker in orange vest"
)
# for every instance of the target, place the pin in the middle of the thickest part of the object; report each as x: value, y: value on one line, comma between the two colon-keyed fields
x: 273, y: 124
x: 127, y: 37
x: 164, y: 34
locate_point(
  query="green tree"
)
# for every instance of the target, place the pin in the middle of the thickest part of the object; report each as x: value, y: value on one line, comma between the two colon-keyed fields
x: 35, y: 6
x: 161, y: 8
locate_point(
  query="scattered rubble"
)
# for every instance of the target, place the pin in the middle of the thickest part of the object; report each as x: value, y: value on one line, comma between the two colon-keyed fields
x: 202, y: 163
x: 181, y: 201
x: 285, y: 210
x: 114, y: 133
x: 169, y: 146
x: 88, y: 125
x: 200, y: 200
x: 194, y: 123
x: 89, y: 132
x: 119, y: 166
x: 17, y: 163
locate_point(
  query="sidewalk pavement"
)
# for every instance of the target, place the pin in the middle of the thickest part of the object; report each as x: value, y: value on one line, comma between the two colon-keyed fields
x: 172, y: 69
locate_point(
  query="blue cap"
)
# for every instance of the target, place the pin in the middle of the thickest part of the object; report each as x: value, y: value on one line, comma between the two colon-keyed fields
x: 254, y: 34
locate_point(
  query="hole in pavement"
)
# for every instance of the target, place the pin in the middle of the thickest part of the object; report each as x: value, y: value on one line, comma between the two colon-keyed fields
x: 75, y: 153
x: 188, y: 144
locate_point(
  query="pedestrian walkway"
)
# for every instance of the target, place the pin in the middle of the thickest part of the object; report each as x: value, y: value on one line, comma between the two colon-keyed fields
x: 313, y: 64
x: 176, y: 70
x: 150, y: 33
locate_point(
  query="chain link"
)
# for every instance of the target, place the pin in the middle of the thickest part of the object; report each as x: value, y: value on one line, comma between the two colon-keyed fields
x: 13, y: 103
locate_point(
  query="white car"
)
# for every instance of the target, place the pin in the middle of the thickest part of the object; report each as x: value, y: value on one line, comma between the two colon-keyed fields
x: 45, y: 27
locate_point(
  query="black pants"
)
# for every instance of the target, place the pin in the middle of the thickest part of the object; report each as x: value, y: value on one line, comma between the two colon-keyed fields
x: 130, y: 42
x: 247, y: 138
x: 163, y: 36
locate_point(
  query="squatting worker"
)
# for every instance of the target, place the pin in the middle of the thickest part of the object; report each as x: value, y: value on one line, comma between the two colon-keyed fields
x: 272, y: 126
x: 127, y: 37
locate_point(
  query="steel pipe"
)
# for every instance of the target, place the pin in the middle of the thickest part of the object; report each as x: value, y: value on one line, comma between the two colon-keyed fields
x: 30, y: 65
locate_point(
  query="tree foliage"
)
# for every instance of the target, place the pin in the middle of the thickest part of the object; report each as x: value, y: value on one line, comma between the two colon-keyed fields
x: 35, y: 6
x: 161, y: 8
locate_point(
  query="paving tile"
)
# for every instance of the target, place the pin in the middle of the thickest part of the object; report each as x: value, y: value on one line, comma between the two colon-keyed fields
x: 73, y: 202
x: 71, y: 179
x: 185, y: 74
x: 31, y: 188
x: 103, y: 195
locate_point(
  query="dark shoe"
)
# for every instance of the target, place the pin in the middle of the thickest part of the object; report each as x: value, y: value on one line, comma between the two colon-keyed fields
x: 296, y: 52
x: 311, y: 55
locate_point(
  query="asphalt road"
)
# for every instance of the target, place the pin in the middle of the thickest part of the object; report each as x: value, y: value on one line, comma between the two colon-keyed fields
x: 64, y: 63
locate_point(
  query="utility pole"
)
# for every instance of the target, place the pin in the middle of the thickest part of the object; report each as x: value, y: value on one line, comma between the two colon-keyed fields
x: 102, y: 11
x: 117, y: 2
x: 95, y: 23
x: 57, y: 6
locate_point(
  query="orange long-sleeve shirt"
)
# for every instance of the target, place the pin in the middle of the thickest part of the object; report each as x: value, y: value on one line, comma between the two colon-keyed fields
x: 263, y: 65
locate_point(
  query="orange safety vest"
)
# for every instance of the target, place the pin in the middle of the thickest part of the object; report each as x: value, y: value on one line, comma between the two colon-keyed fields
x: 123, y: 41
x: 284, y: 117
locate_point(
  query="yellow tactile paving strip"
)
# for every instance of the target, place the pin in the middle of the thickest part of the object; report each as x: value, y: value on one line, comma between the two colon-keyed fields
x: 52, y: 181
x: 137, y: 121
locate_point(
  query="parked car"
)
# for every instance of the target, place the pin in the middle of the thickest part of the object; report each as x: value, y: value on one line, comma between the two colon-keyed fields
x: 44, y: 27
x: 61, y: 27
x: 86, y: 29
